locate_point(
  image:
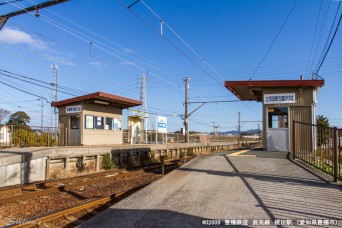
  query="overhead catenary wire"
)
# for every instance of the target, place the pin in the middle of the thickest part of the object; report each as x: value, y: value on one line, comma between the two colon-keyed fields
x: 273, y: 41
x: 324, y: 18
x: 201, y: 58
x: 124, y: 49
x: 169, y: 42
x: 313, y: 40
x: 42, y: 84
x: 177, y: 87
x: 328, y: 38
x: 331, y: 41
x: 9, y: 2
x: 73, y: 33
x: 24, y: 91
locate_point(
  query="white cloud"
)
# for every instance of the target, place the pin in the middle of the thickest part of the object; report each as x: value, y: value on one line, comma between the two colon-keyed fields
x: 98, y: 64
x: 13, y: 36
x: 58, y: 60
x: 129, y: 51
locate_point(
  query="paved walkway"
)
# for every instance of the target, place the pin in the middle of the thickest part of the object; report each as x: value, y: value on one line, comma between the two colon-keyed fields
x: 258, y: 186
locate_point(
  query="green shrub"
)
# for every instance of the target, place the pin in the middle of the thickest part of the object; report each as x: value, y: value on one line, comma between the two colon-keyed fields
x: 107, y: 162
x: 153, y: 156
x: 190, y: 152
x: 80, y: 165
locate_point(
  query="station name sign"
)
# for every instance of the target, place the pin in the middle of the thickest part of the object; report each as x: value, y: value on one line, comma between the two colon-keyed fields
x: 280, y: 98
x: 161, y: 124
x: 74, y: 109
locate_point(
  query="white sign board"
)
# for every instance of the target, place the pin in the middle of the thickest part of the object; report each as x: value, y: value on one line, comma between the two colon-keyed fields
x: 280, y: 98
x: 161, y: 124
x: 74, y: 109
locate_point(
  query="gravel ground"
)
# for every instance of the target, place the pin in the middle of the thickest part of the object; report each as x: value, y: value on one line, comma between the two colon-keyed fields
x: 25, y: 209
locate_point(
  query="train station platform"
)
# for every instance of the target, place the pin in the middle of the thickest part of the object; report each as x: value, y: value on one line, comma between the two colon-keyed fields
x: 26, y: 165
x: 241, y: 187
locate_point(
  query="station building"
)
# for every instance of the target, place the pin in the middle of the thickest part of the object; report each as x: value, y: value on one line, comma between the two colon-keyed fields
x: 283, y: 102
x: 93, y: 119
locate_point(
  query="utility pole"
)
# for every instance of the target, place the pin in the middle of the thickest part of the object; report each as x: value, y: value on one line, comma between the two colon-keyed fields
x: 215, y: 128
x: 239, y: 128
x: 54, y: 122
x: 143, y: 107
x: 42, y: 113
x: 259, y: 131
x: 186, y: 120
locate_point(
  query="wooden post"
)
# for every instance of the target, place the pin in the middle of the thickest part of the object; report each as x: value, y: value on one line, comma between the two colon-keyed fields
x: 162, y: 161
x: 97, y: 163
x: 66, y: 164
x: 66, y: 136
x: 47, y: 168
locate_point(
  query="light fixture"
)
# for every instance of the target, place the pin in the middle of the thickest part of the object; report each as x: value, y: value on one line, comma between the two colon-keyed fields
x: 101, y: 102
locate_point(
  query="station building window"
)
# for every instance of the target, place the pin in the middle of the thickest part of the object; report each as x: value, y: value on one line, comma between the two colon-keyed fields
x: 75, y: 122
x: 89, y: 122
x: 277, y: 117
x: 113, y: 124
x: 99, y: 122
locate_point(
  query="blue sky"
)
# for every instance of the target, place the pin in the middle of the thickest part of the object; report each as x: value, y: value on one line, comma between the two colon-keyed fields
x: 231, y: 36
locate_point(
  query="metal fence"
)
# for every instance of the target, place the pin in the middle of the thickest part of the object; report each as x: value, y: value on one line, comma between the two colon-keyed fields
x: 28, y: 136
x: 153, y: 138
x: 318, y: 146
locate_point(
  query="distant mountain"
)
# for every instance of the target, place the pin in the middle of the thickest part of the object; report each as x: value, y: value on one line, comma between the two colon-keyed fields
x: 234, y: 132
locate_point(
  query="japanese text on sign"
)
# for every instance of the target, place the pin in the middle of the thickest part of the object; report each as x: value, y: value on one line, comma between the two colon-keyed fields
x: 282, y: 98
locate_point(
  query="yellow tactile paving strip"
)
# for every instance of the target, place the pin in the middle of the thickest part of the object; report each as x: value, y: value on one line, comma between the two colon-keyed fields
x: 239, y: 153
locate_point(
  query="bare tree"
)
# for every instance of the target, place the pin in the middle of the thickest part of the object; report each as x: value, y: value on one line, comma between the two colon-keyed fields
x: 3, y: 114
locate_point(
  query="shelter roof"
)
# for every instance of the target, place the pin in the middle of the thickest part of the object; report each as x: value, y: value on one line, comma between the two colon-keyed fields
x: 252, y: 90
x: 100, y: 98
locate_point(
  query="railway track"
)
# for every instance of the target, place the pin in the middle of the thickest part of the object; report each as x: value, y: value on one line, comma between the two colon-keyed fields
x: 88, y: 207
x: 64, y: 185
x: 63, y: 197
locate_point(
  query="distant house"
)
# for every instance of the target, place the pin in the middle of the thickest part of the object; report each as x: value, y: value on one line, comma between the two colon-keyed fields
x: 5, y: 136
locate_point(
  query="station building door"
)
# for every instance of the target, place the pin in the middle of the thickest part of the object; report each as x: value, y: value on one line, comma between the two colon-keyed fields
x: 75, y: 137
x: 277, y: 131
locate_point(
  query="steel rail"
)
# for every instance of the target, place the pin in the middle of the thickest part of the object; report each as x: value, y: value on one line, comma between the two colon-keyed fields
x: 66, y: 188
x: 88, y: 205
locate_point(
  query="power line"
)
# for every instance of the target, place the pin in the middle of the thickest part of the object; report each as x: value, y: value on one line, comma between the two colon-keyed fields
x: 274, y: 39
x: 331, y: 41
x: 24, y: 91
x: 313, y: 40
x: 45, y: 84
x: 168, y: 41
x: 8, y: 2
x: 321, y: 32
x: 327, y: 41
x: 124, y: 50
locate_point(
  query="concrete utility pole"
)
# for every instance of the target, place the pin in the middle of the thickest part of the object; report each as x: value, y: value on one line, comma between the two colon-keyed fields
x: 54, y: 97
x: 239, y: 127
x: 143, y: 107
x: 186, y: 117
x: 215, y: 128
x: 42, y: 113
